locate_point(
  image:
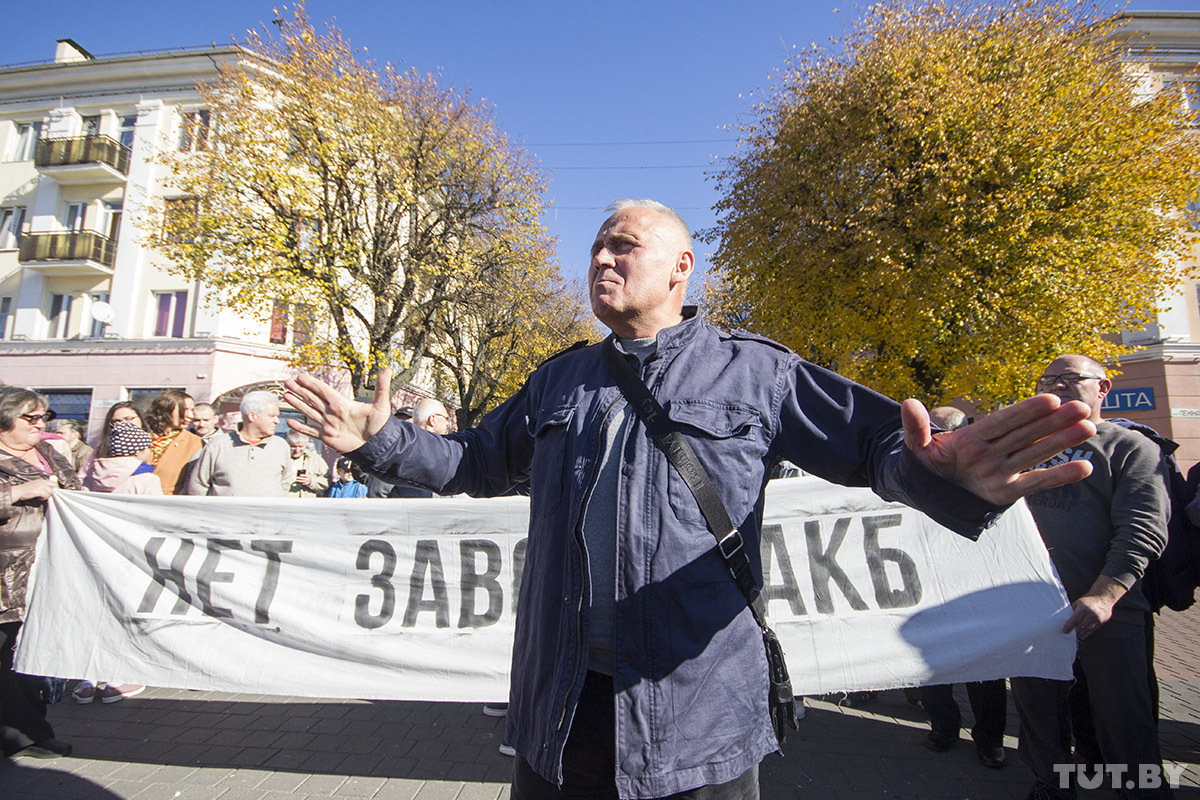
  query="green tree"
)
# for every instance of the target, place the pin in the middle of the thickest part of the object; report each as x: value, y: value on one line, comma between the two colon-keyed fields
x: 366, y: 200
x: 955, y: 196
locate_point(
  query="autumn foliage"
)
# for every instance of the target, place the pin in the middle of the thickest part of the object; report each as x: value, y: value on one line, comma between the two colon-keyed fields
x: 373, y: 205
x: 952, y: 198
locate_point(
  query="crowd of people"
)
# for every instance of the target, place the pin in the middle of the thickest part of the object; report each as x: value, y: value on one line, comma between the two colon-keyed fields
x: 174, y: 447
x: 621, y: 687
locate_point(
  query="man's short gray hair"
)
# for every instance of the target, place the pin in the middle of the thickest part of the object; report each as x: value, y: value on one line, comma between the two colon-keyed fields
x: 665, y: 211
x: 258, y: 402
x: 296, y: 437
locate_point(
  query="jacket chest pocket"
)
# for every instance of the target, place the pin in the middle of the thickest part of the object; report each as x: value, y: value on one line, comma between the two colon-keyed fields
x: 551, y: 430
x: 729, y: 443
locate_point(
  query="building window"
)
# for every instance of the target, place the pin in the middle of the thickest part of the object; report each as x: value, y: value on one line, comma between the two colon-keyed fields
x: 74, y: 216
x: 1191, y: 100
x: 179, y: 219
x: 299, y: 315
x: 112, y: 220
x: 98, y: 328
x: 125, y: 131
x: 28, y: 134
x: 303, y: 325
x: 91, y: 126
x: 171, y: 313
x: 59, y: 316
x: 141, y: 398
x: 279, y: 322
x: 73, y: 404
x: 193, y: 131
x: 5, y: 313
x: 12, y: 223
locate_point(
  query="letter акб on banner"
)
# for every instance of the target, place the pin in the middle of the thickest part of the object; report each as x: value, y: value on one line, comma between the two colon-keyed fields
x: 415, y: 599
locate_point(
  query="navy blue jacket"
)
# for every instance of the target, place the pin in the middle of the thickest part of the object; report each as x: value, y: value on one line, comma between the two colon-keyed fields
x: 690, y: 675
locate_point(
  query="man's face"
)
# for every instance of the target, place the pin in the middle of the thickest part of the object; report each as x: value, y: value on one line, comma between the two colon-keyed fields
x: 262, y: 424
x: 1089, y: 391
x: 633, y: 266
x: 439, y: 423
x: 297, y: 449
x: 189, y: 410
x: 204, y: 422
x: 69, y: 434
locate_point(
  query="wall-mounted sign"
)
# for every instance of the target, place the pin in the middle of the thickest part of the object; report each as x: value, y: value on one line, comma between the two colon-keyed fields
x: 1191, y: 413
x: 1140, y: 399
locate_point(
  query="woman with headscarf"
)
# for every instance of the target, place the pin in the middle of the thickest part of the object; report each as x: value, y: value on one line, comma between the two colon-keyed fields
x: 30, y: 471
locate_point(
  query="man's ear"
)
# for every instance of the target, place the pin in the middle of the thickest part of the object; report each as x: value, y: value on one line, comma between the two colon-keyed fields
x: 684, y: 265
x: 1105, y: 387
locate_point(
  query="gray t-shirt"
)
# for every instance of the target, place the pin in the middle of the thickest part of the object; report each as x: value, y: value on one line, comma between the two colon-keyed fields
x: 600, y: 522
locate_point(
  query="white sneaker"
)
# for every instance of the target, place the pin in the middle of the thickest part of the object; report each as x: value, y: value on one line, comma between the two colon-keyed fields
x: 495, y: 709
x: 507, y: 749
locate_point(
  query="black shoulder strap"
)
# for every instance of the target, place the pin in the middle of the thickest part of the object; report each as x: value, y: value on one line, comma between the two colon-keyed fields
x: 681, y: 455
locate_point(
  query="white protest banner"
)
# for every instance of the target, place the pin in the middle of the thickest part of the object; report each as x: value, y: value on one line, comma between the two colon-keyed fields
x: 414, y: 599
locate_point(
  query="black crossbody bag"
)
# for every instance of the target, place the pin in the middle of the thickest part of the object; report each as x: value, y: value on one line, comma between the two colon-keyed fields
x: 780, y: 699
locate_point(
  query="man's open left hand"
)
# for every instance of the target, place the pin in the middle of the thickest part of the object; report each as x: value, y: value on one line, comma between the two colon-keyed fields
x: 994, y: 457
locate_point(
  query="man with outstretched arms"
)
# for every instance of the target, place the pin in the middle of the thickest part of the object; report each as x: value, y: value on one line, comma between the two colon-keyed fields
x: 638, y: 670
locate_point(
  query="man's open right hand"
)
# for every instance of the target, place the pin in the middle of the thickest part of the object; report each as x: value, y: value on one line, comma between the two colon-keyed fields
x: 338, y: 421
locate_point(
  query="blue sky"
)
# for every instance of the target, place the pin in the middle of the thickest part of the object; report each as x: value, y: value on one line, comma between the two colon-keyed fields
x: 615, y: 99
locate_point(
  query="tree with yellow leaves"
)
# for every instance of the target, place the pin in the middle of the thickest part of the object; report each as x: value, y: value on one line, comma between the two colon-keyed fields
x: 955, y: 197
x: 486, y: 346
x: 361, y: 202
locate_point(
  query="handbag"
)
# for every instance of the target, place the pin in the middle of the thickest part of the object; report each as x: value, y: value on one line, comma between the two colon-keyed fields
x: 780, y: 700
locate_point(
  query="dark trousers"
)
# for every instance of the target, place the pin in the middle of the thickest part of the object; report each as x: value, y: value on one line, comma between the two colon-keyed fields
x: 589, y: 759
x: 1114, y: 661
x: 988, y: 699
x: 1083, y: 727
x: 22, y: 710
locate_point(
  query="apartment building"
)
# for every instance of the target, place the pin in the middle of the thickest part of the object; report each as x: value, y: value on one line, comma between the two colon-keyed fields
x: 1159, y: 384
x: 88, y: 313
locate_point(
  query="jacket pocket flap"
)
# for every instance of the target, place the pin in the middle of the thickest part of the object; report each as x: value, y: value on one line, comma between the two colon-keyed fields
x: 719, y: 420
x: 548, y: 418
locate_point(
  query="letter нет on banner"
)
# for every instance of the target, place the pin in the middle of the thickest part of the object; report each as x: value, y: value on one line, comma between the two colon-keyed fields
x: 415, y: 599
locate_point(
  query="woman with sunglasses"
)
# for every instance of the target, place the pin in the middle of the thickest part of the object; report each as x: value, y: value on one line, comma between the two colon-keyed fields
x: 30, y: 471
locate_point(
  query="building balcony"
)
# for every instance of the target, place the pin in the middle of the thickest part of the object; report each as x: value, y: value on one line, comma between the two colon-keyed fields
x: 83, y: 159
x: 69, y: 253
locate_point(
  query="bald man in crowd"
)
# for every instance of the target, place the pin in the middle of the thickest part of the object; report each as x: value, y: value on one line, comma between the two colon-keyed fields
x: 1101, y: 533
x: 428, y: 414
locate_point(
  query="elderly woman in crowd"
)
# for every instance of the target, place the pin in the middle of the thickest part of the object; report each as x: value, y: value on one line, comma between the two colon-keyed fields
x: 308, y: 474
x: 174, y: 446
x: 30, y: 471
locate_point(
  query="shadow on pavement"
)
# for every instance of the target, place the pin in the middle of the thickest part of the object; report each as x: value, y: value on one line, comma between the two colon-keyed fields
x: 16, y: 776
x: 872, y: 752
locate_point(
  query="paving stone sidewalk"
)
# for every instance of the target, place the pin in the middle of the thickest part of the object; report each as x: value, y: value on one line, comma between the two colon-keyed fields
x: 178, y: 745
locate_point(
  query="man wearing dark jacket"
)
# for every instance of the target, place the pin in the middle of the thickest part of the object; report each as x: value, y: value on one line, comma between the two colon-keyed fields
x: 638, y: 670
x: 1101, y: 533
